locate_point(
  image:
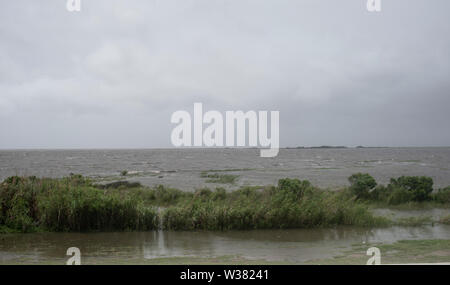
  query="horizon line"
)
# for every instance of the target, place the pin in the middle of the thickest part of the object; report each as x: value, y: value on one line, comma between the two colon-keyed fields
x: 199, y: 148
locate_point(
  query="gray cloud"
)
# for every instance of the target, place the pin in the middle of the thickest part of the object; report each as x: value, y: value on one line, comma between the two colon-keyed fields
x: 111, y: 75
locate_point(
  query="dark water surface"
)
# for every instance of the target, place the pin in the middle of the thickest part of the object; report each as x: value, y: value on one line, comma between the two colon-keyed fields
x: 181, y: 168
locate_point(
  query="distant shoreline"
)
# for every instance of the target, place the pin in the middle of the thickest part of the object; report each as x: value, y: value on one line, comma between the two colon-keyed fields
x: 219, y: 148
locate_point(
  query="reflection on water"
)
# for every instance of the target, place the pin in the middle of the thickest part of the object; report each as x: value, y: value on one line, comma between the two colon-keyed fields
x: 296, y: 246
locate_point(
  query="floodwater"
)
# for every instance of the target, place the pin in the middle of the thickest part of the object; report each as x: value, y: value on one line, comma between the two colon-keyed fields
x: 290, y: 246
x: 181, y: 168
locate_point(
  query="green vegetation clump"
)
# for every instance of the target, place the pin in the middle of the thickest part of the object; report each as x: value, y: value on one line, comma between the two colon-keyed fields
x: 118, y: 184
x: 399, y: 252
x: 219, y: 194
x: 399, y: 195
x: 361, y: 184
x: 402, y: 190
x: 219, y: 178
x: 445, y: 220
x: 69, y: 204
x: 442, y: 195
x: 379, y: 193
x: 167, y: 196
x: 420, y: 187
x: 74, y: 203
x: 292, y: 204
x: 294, y: 187
x: 414, y: 221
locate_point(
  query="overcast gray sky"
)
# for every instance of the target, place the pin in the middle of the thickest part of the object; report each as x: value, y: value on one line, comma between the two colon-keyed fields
x: 112, y: 75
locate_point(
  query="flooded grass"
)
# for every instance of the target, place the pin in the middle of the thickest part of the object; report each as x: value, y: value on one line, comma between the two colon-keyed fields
x: 445, y: 220
x: 219, y: 178
x: 218, y: 260
x: 69, y: 204
x: 400, y: 252
x: 268, y: 208
x: 74, y: 203
x: 411, y: 206
x: 414, y: 221
x: 181, y: 260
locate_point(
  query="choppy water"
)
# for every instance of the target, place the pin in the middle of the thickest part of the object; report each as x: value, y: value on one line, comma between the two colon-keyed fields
x: 181, y: 168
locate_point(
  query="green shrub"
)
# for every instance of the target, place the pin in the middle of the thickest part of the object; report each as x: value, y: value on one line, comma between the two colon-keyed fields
x: 18, y: 203
x: 166, y: 195
x: 420, y: 187
x: 360, y: 185
x: 245, y: 192
x: 399, y: 195
x: 203, y: 193
x: 445, y: 220
x: 219, y: 194
x: 442, y: 195
x: 379, y: 193
x: 294, y: 187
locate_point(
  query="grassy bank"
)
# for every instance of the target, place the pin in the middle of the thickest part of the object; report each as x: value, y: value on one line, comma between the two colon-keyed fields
x: 76, y: 204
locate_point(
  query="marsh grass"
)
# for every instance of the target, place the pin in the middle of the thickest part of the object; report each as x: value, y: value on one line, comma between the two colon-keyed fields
x: 219, y: 178
x: 414, y: 221
x: 118, y: 184
x: 74, y: 203
x: 69, y: 204
x: 411, y: 205
x: 445, y: 220
x: 292, y: 204
x: 399, y: 252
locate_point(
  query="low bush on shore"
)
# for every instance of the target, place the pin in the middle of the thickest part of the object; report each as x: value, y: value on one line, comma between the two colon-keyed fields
x: 401, y: 190
x: 442, y: 195
x: 445, y: 220
x: 361, y: 184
